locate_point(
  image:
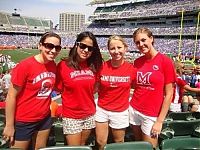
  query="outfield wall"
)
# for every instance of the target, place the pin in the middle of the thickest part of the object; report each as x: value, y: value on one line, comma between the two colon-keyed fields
x: 3, y: 47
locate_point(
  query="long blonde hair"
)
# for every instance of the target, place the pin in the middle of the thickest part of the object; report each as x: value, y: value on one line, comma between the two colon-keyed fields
x: 179, y: 67
x: 117, y: 37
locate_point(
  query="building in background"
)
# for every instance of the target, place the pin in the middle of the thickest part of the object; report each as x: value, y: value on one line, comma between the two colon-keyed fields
x: 71, y: 21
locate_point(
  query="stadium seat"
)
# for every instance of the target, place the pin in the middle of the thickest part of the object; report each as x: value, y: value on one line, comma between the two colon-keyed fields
x: 129, y: 136
x: 5, y: 145
x: 2, y: 123
x: 180, y: 116
x: 190, y: 143
x: 1, y: 130
x: 2, y: 111
x: 2, y: 119
x: 58, y: 130
x: 67, y: 148
x: 139, y: 145
x: 180, y: 128
x: 196, y: 115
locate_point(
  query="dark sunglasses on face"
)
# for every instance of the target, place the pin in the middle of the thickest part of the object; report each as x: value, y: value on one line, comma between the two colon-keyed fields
x: 84, y: 46
x: 50, y: 46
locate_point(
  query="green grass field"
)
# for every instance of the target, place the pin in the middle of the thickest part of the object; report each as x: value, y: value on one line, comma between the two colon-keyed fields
x: 20, y: 54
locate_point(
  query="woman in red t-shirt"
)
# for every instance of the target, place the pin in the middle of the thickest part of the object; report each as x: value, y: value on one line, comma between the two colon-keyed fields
x: 114, y: 83
x: 153, y: 89
x: 28, y: 116
x: 76, y: 76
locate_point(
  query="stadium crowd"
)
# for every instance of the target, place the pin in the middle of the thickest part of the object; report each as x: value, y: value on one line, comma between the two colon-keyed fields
x: 147, y: 9
x: 164, y: 45
x: 173, y: 30
x: 6, y: 66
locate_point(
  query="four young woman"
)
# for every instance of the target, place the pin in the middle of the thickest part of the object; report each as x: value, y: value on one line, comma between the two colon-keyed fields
x: 78, y: 77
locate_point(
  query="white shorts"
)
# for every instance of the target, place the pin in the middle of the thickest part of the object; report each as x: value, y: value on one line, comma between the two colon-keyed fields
x: 175, y: 107
x: 139, y: 119
x: 116, y: 120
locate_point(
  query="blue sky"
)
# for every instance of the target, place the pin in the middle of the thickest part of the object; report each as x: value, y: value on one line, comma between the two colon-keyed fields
x: 46, y: 8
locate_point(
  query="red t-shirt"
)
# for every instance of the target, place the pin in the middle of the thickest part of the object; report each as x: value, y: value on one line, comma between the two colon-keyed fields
x: 2, y: 105
x: 37, y: 81
x: 152, y: 75
x: 77, y: 88
x: 178, y: 90
x: 115, y: 84
x: 197, y: 85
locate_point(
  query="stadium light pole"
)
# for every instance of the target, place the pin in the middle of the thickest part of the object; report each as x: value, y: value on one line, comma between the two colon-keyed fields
x: 196, y: 38
x: 28, y: 40
x: 180, y: 38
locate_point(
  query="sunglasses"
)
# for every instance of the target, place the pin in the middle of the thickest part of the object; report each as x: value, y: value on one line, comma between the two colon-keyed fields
x: 52, y: 46
x: 84, y: 46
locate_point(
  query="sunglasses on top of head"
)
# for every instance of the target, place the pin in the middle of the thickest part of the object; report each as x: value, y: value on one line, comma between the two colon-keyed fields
x: 84, y: 46
x: 51, y: 46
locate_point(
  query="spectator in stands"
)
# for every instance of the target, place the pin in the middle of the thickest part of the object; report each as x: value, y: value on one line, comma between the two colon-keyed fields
x: 194, y: 104
x: 6, y: 81
x: 2, y: 98
x: 114, y: 83
x: 193, y: 79
x: 75, y: 80
x: 194, y: 107
x: 28, y: 116
x: 153, y: 89
x: 179, y: 99
x: 197, y: 85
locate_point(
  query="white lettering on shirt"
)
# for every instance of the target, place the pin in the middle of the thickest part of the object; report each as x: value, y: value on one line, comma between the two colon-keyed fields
x: 115, y: 78
x: 77, y: 73
x: 143, y: 79
x: 43, y: 76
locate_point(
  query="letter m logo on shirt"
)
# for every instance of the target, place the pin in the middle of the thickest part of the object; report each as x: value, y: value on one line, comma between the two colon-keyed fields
x: 143, y: 79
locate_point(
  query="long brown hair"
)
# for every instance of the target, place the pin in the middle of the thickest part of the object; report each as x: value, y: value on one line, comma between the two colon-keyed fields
x: 94, y: 61
x: 143, y: 30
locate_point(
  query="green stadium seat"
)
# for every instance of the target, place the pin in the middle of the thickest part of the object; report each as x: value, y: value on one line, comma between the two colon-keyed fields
x: 2, y: 111
x: 67, y: 148
x: 180, y: 128
x: 2, y: 117
x: 180, y: 116
x: 58, y: 130
x: 196, y: 115
x: 1, y: 130
x: 4, y: 19
x: 190, y: 143
x: 2, y: 123
x: 137, y: 145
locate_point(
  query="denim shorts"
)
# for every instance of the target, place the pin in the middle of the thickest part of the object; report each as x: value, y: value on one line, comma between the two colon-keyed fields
x: 24, y: 131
